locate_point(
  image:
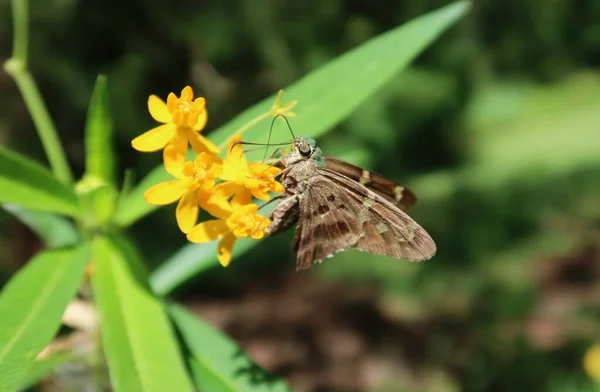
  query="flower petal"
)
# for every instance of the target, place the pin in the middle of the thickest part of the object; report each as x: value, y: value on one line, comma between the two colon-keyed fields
x: 158, y: 109
x: 187, y: 93
x: 155, y: 139
x: 199, y: 104
x: 187, y: 212
x: 208, y: 231
x: 201, y: 123
x: 225, y: 249
x: 200, y: 143
x: 174, y: 155
x: 214, y: 203
x: 171, y: 102
x: 235, y: 149
x: 165, y: 192
x: 259, y: 232
x: 228, y: 188
x: 242, y: 197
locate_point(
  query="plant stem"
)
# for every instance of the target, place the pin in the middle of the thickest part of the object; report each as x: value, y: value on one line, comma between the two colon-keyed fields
x: 17, y: 68
x: 21, y: 34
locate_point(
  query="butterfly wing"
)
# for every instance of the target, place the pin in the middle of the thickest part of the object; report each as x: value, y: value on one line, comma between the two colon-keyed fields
x: 337, y: 213
x: 387, y: 229
x: 393, y: 192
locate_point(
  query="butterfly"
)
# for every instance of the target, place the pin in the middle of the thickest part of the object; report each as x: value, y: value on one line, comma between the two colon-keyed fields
x: 338, y: 206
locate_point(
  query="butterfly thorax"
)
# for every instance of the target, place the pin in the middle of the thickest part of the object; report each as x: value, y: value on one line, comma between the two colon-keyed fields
x: 300, y: 164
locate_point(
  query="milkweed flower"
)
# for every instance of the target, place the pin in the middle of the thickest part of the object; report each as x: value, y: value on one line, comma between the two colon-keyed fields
x: 591, y: 362
x: 243, y: 221
x: 242, y: 180
x: 222, y: 187
x: 194, y: 186
x: 182, y: 120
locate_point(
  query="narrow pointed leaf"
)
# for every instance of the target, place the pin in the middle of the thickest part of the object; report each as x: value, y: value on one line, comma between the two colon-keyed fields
x: 189, y: 261
x: 30, y: 185
x: 216, y: 362
x: 140, y: 346
x: 329, y: 94
x: 32, y: 304
x: 44, y: 367
x: 99, y: 151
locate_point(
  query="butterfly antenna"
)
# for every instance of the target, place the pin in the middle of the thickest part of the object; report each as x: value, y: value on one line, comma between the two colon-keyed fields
x: 269, y: 138
x: 286, y: 121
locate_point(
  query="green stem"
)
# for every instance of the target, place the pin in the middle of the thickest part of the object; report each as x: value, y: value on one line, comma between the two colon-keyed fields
x: 20, y: 22
x: 17, y: 68
x: 41, y: 119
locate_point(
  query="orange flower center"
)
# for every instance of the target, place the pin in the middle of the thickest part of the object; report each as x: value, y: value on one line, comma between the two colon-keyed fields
x: 184, y: 111
x: 198, y: 175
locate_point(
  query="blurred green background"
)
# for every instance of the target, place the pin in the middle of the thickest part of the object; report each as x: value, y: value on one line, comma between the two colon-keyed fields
x: 496, y: 128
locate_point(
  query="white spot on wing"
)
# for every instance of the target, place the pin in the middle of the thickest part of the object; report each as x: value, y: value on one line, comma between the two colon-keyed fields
x: 365, y: 177
x: 398, y: 190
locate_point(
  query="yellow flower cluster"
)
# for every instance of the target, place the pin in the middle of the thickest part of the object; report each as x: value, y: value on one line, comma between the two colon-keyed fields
x: 222, y: 187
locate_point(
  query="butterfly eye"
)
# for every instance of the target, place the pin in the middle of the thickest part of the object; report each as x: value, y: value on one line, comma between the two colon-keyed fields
x: 305, y: 150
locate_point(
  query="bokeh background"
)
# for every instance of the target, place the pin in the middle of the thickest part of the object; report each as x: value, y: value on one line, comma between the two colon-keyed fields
x: 496, y: 127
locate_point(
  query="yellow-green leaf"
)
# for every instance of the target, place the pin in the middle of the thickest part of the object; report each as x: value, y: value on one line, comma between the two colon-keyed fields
x: 32, y: 304
x: 189, y: 261
x: 216, y: 362
x: 99, y: 152
x: 30, y: 185
x: 140, y: 346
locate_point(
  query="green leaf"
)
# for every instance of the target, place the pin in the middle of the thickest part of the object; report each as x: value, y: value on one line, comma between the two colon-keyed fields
x: 55, y: 231
x: 32, y: 186
x: 189, y: 261
x: 32, y: 304
x: 99, y: 201
x: 99, y: 152
x: 216, y: 362
x: 43, y: 367
x: 141, y: 349
x: 327, y: 95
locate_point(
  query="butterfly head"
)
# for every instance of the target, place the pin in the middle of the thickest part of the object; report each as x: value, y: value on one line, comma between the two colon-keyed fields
x: 303, y: 148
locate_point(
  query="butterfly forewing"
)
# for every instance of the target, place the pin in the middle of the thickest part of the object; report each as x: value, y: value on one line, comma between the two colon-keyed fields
x: 327, y: 222
x: 387, y: 229
x: 393, y: 192
x: 336, y: 214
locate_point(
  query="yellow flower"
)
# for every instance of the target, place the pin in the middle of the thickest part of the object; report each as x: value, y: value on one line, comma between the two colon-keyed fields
x: 242, y: 222
x: 194, y: 186
x: 244, y: 180
x: 591, y: 362
x: 182, y: 120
